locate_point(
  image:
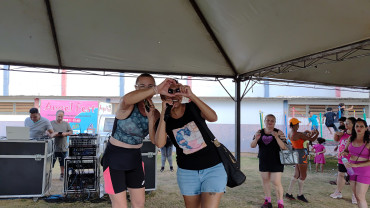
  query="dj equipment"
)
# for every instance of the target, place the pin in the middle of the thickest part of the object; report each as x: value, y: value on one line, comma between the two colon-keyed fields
x: 83, y: 145
x: 25, y: 167
x: 81, y: 175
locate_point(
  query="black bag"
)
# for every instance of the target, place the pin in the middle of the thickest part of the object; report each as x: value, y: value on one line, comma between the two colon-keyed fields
x: 235, y: 176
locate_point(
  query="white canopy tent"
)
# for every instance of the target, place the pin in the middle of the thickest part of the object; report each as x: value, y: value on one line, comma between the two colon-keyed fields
x: 325, y: 42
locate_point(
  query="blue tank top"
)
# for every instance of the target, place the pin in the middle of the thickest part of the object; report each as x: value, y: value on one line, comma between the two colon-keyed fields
x: 133, y: 129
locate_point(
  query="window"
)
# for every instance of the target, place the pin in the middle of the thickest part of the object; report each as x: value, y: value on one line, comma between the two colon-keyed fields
x: 10, y: 108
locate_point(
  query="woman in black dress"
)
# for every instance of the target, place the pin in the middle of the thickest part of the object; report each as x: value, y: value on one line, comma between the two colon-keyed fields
x: 270, y: 140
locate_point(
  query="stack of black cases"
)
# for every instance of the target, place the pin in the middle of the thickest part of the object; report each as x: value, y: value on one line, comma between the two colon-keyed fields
x: 82, y: 172
x: 26, y: 167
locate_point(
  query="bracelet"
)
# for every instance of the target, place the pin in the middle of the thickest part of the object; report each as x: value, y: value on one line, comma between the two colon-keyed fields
x: 155, y: 90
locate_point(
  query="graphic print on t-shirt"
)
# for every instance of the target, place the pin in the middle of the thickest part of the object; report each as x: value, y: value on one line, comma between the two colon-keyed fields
x: 189, y: 138
x: 266, y: 139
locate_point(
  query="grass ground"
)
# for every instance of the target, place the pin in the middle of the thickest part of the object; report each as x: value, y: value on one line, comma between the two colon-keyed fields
x: 250, y: 194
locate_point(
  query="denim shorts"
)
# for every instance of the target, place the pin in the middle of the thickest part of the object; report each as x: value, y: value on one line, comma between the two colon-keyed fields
x: 194, y: 182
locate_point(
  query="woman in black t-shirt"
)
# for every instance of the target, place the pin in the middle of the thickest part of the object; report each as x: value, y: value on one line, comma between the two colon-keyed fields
x: 270, y: 140
x: 201, y: 175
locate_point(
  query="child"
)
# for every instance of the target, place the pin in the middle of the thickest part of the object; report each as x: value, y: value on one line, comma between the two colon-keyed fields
x: 319, y: 150
x: 330, y: 117
x: 314, y: 120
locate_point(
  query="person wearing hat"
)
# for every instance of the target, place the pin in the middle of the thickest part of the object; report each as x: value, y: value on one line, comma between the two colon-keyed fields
x: 300, y: 173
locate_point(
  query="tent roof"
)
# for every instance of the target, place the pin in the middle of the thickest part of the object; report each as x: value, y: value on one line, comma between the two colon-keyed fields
x: 308, y: 41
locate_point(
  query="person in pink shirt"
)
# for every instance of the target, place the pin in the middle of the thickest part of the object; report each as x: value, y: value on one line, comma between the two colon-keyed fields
x: 342, y: 138
x: 319, y: 150
x: 358, y: 146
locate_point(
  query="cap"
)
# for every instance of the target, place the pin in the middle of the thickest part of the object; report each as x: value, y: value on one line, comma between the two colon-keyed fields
x: 294, y: 121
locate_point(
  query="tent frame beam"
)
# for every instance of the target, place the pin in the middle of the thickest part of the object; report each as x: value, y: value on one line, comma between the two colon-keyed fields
x: 347, y: 52
x: 213, y: 36
x: 54, y: 32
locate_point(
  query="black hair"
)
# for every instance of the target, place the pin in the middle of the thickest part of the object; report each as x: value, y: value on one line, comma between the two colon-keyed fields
x: 34, y: 110
x: 354, y: 133
x: 144, y: 75
x: 341, y: 104
x: 321, y: 140
x: 329, y: 109
x: 343, y: 119
x: 352, y: 119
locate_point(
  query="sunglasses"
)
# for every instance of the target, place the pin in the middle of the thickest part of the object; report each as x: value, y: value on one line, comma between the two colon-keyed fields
x: 171, y: 91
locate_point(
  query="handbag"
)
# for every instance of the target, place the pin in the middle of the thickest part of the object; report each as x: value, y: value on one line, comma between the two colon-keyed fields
x: 235, y: 176
x: 289, y: 156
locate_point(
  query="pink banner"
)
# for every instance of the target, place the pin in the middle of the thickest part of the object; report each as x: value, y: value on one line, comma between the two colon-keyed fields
x: 71, y: 108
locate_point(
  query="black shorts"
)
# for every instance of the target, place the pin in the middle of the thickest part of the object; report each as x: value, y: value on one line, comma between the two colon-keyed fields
x: 123, y: 168
x: 61, y: 156
x: 302, y: 158
x: 117, y: 181
x: 332, y: 125
x: 342, y: 168
x: 270, y: 164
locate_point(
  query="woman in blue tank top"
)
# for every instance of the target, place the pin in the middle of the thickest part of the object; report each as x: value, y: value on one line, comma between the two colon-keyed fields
x: 122, y: 162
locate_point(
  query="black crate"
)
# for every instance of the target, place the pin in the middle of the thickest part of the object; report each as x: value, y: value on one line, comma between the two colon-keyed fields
x: 26, y: 167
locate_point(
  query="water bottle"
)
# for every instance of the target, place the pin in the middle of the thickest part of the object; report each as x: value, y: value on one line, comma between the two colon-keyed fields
x: 349, y: 170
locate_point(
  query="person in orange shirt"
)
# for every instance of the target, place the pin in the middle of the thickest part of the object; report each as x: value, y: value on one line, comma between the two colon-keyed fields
x: 297, y: 139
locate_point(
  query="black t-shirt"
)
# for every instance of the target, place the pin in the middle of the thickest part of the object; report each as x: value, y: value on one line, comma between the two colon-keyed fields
x: 330, y: 118
x: 194, y: 149
x: 268, y: 146
x: 268, y: 154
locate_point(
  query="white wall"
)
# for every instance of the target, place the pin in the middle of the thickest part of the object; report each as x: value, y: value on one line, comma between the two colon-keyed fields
x: 225, y: 109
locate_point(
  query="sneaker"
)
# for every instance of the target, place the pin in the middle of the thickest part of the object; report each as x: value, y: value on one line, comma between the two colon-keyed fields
x: 266, y: 204
x: 354, y: 200
x: 302, y: 198
x: 162, y: 169
x: 289, y: 196
x: 336, y: 195
x: 280, y: 206
x: 61, y: 177
x: 171, y: 169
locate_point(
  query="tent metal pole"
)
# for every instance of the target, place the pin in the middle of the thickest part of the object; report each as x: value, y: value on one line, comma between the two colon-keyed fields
x: 237, y: 119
